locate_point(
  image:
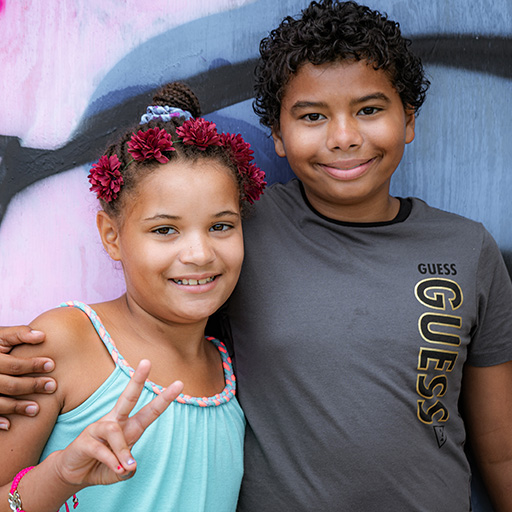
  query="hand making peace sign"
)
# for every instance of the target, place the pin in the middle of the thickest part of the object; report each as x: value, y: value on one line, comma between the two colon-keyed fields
x: 101, y: 454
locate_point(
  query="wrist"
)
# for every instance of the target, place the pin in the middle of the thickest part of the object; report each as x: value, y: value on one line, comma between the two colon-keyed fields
x: 40, y: 490
x: 57, y: 465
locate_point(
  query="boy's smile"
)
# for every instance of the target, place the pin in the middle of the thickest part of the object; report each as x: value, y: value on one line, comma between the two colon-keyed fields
x: 343, y: 129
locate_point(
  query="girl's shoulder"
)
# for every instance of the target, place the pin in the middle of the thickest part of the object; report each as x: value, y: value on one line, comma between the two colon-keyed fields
x: 64, y: 328
x: 82, y: 362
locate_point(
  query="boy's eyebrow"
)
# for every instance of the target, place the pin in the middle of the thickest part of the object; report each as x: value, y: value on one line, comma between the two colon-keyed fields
x: 369, y: 97
x: 300, y: 105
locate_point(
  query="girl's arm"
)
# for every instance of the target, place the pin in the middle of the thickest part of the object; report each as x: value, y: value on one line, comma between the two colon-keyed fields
x: 100, y: 455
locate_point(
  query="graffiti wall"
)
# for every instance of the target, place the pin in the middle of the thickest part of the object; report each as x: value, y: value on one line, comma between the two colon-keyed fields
x: 72, y: 73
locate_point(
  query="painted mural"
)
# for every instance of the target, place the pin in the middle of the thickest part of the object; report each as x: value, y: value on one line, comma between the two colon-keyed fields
x: 71, y: 71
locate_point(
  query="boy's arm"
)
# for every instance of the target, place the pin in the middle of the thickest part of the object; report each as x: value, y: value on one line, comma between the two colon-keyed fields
x: 487, y: 402
x: 23, y: 444
x: 14, y: 370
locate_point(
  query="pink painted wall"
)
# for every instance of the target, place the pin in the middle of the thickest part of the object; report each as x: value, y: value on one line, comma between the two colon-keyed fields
x: 53, y: 55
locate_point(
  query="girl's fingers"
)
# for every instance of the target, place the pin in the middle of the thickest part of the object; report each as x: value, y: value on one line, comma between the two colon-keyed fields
x: 111, y: 434
x: 131, y: 394
x: 140, y: 422
x: 101, y: 443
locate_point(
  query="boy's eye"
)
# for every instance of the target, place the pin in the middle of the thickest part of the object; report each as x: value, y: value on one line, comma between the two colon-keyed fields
x: 164, y: 230
x: 220, y: 227
x: 368, y: 111
x: 313, y: 117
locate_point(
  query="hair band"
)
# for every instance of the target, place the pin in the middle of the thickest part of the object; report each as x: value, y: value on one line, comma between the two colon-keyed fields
x: 164, y: 113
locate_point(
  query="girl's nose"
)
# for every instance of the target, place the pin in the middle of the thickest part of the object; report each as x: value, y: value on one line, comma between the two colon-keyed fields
x: 197, y: 250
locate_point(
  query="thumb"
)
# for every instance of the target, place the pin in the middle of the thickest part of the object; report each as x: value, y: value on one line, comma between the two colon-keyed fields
x: 12, y: 336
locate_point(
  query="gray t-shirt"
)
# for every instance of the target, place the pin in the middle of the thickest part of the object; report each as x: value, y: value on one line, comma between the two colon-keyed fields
x: 349, y: 344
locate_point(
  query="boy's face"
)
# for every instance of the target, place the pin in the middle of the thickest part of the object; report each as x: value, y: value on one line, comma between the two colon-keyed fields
x: 343, y: 129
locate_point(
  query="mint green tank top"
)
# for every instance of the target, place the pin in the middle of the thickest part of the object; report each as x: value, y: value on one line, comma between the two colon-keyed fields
x: 189, y: 460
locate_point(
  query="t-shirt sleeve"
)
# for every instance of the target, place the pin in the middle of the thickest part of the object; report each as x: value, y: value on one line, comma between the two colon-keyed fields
x: 491, y: 341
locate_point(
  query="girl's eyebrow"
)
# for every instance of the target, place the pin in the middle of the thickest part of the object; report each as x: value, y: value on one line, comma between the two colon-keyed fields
x: 166, y: 216
x: 227, y: 212
x: 163, y: 216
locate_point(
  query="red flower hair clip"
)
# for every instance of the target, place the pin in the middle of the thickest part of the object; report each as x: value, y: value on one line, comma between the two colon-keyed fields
x: 242, y: 154
x: 105, y: 178
x: 199, y: 132
x: 255, y: 184
x: 150, y: 145
x: 202, y: 133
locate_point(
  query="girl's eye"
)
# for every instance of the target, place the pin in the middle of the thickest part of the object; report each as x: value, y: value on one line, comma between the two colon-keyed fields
x: 368, y: 111
x: 220, y: 227
x: 164, y: 230
x: 313, y: 117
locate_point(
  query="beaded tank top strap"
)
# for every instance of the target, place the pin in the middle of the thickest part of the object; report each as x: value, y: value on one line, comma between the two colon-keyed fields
x: 225, y: 396
x: 96, y: 323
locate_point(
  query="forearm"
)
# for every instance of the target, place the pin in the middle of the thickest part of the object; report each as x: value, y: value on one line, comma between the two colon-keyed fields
x: 42, y: 489
x: 487, y: 400
x: 495, y: 466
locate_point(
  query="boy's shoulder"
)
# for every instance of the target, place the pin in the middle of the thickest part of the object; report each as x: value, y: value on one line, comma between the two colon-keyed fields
x: 278, y: 191
x: 421, y: 210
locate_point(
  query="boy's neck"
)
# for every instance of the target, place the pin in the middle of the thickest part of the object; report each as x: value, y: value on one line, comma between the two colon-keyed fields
x: 384, y: 210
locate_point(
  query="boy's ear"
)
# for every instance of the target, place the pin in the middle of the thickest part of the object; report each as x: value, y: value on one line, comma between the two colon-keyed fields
x: 109, y: 233
x: 278, y: 142
x: 410, y: 121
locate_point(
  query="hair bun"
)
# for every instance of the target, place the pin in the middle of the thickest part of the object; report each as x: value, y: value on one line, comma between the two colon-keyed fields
x: 180, y: 95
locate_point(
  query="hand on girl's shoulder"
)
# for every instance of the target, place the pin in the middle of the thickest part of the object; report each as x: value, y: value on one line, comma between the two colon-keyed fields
x: 65, y: 330
x: 82, y: 362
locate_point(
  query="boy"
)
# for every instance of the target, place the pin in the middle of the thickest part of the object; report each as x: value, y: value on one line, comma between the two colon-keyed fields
x: 357, y: 311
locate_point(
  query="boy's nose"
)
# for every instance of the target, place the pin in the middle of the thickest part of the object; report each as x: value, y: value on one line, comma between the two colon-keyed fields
x: 197, y: 250
x: 344, y: 134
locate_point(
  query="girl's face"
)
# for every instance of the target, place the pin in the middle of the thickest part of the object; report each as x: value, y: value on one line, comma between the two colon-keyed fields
x: 180, y: 242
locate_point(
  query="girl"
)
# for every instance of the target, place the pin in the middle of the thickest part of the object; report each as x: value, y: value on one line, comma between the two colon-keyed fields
x: 172, y: 195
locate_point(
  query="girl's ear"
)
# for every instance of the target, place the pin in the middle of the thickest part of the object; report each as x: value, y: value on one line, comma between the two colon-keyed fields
x: 109, y: 232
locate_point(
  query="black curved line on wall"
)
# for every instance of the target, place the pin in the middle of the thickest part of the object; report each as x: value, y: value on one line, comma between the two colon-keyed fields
x: 216, y: 89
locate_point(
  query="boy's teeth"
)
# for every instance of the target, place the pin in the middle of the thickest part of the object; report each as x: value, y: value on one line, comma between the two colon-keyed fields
x: 193, y: 282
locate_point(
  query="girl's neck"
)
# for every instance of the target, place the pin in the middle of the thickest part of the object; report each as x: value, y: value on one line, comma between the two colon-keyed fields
x: 176, y: 351
x: 185, y: 338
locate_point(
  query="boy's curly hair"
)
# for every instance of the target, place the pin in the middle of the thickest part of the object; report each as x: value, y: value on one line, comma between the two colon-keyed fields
x: 331, y: 31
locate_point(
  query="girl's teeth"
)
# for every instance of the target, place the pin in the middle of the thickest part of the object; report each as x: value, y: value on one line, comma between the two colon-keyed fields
x: 193, y: 282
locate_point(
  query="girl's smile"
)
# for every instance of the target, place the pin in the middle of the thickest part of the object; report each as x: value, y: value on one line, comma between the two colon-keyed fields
x: 180, y: 242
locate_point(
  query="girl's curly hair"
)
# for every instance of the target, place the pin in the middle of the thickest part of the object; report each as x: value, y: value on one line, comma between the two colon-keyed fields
x: 178, y: 95
x: 331, y: 31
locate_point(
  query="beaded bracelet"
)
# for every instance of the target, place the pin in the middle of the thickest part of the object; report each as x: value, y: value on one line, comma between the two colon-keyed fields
x: 14, y: 498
